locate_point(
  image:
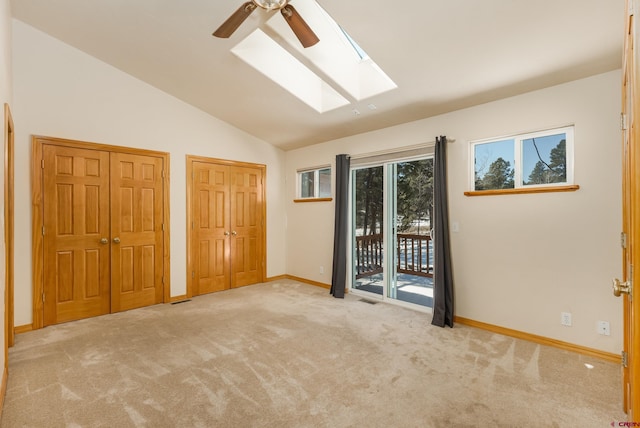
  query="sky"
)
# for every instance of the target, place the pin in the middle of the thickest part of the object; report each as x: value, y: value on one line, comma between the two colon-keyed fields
x: 486, y: 153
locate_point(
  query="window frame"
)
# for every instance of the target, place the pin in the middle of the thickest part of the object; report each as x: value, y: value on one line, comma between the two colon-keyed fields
x: 518, y: 167
x: 316, y: 184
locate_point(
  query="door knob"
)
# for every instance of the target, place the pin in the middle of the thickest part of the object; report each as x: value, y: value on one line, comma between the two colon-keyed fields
x: 234, y: 233
x: 116, y: 240
x: 620, y: 288
x: 226, y: 233
x: 104, y: 241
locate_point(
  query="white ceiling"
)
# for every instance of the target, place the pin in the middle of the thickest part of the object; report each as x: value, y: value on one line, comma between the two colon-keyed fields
x: 443, y: 54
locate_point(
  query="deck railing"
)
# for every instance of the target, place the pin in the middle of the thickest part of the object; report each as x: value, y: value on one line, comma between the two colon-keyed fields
x: 413, y: 255
x: 368, y: 255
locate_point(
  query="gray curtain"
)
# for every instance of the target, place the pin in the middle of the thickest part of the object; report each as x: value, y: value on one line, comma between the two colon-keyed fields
x: 339, y: 273
x: 442, y: 273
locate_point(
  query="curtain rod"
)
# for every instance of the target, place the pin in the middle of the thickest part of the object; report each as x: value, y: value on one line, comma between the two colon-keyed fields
x: 399, y: 149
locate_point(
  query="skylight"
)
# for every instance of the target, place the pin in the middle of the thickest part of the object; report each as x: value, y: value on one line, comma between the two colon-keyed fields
x: 265, y: 55
x: 347, y: 68
x: 356, y: 47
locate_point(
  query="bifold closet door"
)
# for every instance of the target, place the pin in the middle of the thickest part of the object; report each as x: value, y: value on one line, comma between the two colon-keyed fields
x: 76, y: 233
x: 227, y: 223
x: 246, y: 226
x: 210, y: 226
x: 136, y: 231
x: 103, y: 232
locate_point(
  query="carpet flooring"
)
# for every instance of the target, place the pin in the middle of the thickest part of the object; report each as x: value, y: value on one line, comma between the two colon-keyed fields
x: 285, y: 354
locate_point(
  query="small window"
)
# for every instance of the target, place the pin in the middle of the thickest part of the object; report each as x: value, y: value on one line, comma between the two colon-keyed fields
x: 540, y: 159
x: 314, y: 183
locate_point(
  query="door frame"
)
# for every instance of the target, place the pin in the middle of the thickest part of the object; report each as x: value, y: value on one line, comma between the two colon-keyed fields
x: 9, y: 217
x: 37, y: 219
x: 190, y: 159
x: 389, y: 212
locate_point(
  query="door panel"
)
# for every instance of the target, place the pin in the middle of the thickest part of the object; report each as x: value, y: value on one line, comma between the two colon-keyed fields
x: 626, y: 227
x: 631, y: 217
x: 246, y: 226
x: 76, y: 263
x: 136, y: 231
x: 211, y: 228
x: 368, y: 216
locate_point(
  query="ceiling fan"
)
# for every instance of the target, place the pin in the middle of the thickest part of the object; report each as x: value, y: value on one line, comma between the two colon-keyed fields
x: 300, y: 28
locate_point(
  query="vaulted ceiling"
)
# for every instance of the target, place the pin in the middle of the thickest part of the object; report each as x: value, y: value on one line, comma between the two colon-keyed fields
x: 444, y: 55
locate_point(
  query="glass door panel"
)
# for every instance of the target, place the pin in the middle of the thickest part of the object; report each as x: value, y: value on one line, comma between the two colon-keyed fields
x: 412, y: 194
x: 368, y: 227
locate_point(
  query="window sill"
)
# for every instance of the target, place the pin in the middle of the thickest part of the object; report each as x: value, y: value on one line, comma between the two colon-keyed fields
x: 569, y: 188
x: 313, y: 200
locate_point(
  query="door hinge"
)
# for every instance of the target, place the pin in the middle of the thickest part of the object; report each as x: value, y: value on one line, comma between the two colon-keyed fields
x: 42, y: 163
x: 625, y: 359
x: 630, y: 280
x: 42, y: 230
x: 193, y: 274
x: 191, y: 225
x: 43, y: 297
x: 631, y: 283
x: 163, y: 280
x: 623, y: 122
x: 623, y: 240
x: 163, y: 227
x: 163, y: 173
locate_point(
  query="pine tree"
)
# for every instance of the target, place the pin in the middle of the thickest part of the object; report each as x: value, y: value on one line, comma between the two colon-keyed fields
x: 499, y: 176
x: 553, y: 172
x: 539, y: 174
x: 558, y: 164
x: 369, y: 208
x: 414, y: 192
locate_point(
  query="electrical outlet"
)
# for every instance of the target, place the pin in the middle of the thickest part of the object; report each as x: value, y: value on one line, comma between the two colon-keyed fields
x: 321, y: 270
x: 565, y: 318
x: 604, y: 328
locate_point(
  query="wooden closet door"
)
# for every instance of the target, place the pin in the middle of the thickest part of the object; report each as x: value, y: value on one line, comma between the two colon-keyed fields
x: 76, y: 232
x: 210, y: 228
x: 246, y: 226
x: 136, y: 231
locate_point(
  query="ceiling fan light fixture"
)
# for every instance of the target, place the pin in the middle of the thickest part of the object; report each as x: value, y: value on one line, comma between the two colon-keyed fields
x: 300, y: 28
x: 271, y: 4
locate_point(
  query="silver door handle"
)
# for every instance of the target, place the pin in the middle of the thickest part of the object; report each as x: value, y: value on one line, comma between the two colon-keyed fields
x: 116, y: 240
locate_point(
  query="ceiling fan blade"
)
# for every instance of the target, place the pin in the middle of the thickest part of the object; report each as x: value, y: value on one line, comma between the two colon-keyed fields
x: 233, y: 22
x: 300, y: 28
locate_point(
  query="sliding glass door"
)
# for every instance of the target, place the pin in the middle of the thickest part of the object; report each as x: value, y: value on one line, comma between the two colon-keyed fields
x: 392, y: 208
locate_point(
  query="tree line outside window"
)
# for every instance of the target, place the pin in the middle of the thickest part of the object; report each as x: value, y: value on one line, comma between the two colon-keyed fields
x: 414, y: 197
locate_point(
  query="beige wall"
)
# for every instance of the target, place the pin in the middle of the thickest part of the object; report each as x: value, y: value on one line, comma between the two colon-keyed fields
x: 5, y: 97
x: 519, y: 260
x: 62, y: 92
